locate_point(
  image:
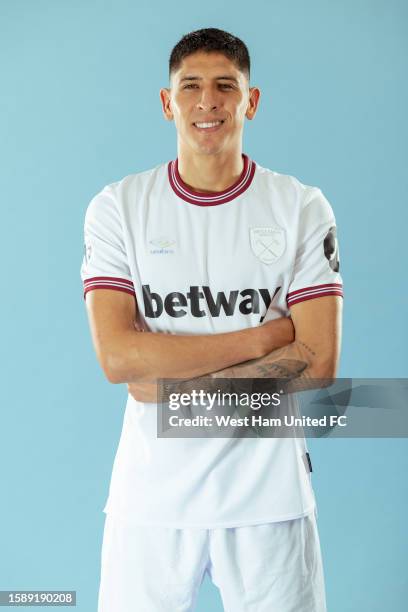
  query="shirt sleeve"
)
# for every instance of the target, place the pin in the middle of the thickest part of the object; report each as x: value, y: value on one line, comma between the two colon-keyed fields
x: 105, y: 264
x: 316, y: 271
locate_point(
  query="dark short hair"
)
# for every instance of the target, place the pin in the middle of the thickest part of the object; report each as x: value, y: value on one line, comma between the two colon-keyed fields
x: 211, y: 40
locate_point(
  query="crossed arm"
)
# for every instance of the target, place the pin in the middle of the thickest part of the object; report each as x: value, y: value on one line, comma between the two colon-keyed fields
x: 301, y: 347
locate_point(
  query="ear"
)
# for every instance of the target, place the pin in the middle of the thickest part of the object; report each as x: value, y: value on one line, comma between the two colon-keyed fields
x: 254, y: 95
x: 165, y: 100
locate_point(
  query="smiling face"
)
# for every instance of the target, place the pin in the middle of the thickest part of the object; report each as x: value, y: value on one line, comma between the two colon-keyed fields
x: 209, y: 98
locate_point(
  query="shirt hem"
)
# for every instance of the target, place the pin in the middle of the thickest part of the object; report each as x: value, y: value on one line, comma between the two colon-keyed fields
x: 222, y: 525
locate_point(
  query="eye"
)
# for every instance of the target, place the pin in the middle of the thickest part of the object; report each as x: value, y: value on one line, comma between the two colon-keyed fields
x: 190, y: 86
x: 226, y: 86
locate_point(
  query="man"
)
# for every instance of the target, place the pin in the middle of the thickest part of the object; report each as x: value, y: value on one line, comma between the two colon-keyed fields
x: 227, y: 267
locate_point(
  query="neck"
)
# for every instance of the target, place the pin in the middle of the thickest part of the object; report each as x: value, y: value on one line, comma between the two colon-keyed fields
x: 209, y: 173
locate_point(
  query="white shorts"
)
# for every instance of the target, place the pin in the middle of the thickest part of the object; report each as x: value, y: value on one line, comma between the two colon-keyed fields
x: 273, y: 567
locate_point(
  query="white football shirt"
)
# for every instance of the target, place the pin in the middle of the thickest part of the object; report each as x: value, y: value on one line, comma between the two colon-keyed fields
x: 202, y: 264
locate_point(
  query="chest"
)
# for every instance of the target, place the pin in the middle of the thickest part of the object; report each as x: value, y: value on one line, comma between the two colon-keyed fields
x: 218, y: 244
x: 219, y: 263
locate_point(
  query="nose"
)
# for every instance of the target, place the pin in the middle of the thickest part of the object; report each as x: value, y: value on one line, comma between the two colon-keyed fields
x: 209, y: 100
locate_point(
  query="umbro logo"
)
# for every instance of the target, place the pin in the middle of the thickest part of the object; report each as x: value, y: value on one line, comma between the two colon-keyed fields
x: 162, y: 246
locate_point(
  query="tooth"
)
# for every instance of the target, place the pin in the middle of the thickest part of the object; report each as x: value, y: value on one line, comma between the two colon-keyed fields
x: 208, y: 125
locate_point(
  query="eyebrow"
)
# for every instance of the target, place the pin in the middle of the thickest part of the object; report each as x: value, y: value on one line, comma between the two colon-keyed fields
x: 225, y: 77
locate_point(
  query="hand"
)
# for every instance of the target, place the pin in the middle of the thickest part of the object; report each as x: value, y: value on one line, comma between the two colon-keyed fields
x: 147, y: 392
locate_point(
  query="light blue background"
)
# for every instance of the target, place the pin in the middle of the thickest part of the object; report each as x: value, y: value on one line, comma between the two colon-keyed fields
x: 80, y: 109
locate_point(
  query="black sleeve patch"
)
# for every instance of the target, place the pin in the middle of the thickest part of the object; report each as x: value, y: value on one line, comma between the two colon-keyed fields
x: 331, y: 249
x: 309, y: 461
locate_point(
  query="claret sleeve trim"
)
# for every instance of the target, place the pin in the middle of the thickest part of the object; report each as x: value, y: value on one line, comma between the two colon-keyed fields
x: 108, y: 282
x: 308, y: 293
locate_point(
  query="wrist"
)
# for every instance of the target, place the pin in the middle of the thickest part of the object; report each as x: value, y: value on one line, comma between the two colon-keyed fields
x: 276, y: 334
x: 260, y: 342
x: 286, y: 332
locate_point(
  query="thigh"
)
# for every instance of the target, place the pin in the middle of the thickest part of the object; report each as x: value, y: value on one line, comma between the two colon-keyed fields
x: 150, y: 568
x: 274, y: 567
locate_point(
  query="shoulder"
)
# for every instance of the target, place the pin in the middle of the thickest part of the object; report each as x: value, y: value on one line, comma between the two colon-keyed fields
x: 136, y: 180
x: 286, y: 184
x: 115, y: 196
x: 293, y: 192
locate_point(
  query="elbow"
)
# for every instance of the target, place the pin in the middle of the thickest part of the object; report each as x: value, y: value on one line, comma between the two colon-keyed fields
x: 325, y: 370
x: 122, y: 364
x: 118, y: 369
x: 113, y: 377
x: 113, y: 368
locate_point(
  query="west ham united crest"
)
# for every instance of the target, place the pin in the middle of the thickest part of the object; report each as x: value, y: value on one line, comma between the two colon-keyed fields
x: 268, y: 243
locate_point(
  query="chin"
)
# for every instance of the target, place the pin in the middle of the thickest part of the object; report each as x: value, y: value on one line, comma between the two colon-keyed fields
x: 210, y: 149
x: 206, y: 148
